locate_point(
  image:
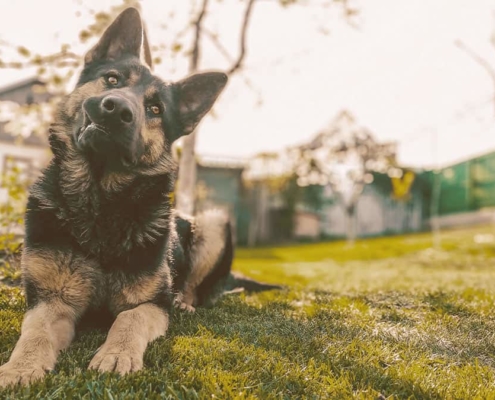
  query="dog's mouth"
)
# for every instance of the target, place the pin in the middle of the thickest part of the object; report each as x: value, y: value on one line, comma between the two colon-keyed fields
x: 89, y: 127
x: 102, y: 141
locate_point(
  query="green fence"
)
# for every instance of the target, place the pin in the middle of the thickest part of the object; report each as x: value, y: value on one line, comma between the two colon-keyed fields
x: 466, y: 186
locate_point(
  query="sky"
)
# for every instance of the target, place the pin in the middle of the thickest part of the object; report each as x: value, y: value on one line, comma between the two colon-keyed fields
x: 399, y: 72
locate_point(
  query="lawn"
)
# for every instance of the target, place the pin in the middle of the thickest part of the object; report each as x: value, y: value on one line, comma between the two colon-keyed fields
x: 389, y: 318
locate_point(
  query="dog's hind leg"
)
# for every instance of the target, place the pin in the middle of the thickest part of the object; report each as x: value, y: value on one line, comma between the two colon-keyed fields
x: 211, y: 259
x: 128, y: 338
x: 58, y: 289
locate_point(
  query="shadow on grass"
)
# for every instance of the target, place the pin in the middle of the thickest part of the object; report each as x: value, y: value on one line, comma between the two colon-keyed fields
x: 298, y: 355
x: 302, y: 342
x: 446, y: 304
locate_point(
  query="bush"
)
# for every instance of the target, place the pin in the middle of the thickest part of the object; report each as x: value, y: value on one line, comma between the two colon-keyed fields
x: 13, y: 184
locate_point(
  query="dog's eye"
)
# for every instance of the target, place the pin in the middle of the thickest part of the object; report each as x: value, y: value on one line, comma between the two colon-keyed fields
x: 155, y: 109
x: 113, y: 80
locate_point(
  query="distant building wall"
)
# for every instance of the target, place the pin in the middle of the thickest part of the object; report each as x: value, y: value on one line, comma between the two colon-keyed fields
x: 221, y: 187
x: 466, y: 186
x: 307, y: 225
x: 377, y: 213
x: 466, y: 192
x: 478, y: 217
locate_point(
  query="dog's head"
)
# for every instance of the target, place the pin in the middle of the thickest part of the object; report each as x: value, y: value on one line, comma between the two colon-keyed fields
x: 120, y: 114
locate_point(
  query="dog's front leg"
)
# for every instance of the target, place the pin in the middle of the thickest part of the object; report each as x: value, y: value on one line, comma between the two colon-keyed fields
x: 59, y: 287
x: 128, y: 338
x: 46, y: 329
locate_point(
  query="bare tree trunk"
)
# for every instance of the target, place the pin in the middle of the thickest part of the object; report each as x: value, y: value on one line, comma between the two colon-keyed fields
x: 187, y: 176
x: 434, y: 214
x: 264, y: 229
x: 186, y: 184
x: 351, y: 227
x: 435, y: 196
x: 185, y: 192
x: 253, y: 221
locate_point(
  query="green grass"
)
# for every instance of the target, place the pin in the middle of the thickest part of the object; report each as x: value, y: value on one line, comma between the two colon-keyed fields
x: 388, y: 318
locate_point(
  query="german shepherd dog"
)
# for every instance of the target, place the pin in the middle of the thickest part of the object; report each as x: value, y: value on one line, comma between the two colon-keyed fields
x: 101, y: 232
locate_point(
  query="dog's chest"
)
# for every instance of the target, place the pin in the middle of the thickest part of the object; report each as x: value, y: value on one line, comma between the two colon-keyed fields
x: 125, y: 291
x: 113, y: 229
x: 118, y: 291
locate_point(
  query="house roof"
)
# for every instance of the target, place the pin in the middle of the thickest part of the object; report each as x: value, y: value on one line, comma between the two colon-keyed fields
x: 5, y: 90
x: 7, y: 93
x: 32, y: 140
x: 221, y: 162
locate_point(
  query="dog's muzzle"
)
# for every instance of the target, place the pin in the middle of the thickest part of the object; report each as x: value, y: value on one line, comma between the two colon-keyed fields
x: 111, y: 126
x: 111, y: 113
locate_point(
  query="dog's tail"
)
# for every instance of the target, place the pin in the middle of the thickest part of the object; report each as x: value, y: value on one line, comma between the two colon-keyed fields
x: 238, y: 282
x: 221, y: 279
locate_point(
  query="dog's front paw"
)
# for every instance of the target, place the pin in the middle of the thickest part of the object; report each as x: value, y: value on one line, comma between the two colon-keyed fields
x: 182, y: 305
x: 113, y: 361
x: 12, y: 375
x: 185, y: 307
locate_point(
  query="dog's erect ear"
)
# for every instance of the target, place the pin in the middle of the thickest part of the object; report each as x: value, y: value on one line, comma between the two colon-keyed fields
x: 195, y: 97
x: 124, y: 37
x: 145, y: 49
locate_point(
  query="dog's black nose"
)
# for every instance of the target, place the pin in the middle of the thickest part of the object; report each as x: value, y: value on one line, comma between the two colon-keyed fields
x: 116, y: 109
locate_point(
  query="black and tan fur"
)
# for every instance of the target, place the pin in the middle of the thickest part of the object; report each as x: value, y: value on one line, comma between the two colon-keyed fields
x: 207, y: 243
x: 100, y: 229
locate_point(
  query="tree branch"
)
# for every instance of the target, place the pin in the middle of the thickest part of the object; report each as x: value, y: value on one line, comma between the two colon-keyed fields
x: 220, y: 47
x: 197, y: 37
x: 242, y: 47
x: 60, y: 59
x: 481, y: 61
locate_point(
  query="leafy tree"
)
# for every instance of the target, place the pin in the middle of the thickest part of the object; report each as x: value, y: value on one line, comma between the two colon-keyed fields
x: 343, y: 156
